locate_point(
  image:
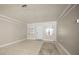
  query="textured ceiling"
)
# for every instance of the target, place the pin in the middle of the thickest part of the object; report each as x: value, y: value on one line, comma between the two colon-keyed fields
x: 33, y: 12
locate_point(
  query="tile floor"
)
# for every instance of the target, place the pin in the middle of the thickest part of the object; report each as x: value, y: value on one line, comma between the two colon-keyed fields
x: 30, y: 47
x: 49, y: 48
x: 27, y: 47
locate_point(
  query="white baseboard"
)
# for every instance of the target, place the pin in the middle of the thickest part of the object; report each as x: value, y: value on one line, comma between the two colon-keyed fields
x: 62, y: 50
x: 7, y: 44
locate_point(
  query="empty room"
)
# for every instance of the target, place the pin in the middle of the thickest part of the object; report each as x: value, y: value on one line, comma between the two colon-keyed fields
x: 39, y: 29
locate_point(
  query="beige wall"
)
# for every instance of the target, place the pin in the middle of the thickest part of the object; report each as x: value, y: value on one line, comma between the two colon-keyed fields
x: 11, y: 31
x: 68, y: 31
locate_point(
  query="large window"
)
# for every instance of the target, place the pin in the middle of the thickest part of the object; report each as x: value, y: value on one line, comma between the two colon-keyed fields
x: 43, y: 31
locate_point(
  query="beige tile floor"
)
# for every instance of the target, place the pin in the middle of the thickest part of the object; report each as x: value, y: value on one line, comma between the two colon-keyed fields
x: 30, y: 47
x: 49, y: 48
x: 27, y: 47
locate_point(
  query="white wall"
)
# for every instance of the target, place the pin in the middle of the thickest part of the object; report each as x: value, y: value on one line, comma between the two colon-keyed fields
x: 11, y: 31
x: 68, y: 31
x: 38, y: 31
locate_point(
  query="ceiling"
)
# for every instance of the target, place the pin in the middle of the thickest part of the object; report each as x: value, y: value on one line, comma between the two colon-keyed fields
x: 33, y: 12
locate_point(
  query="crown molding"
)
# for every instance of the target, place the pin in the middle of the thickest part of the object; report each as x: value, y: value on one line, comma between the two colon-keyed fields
x: 66, y: 11
x: 16, y: 21
x: 70, y: 9
x: 10, y: 20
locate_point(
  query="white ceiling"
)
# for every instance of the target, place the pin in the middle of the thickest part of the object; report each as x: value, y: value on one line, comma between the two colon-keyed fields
x: 33, y: 12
